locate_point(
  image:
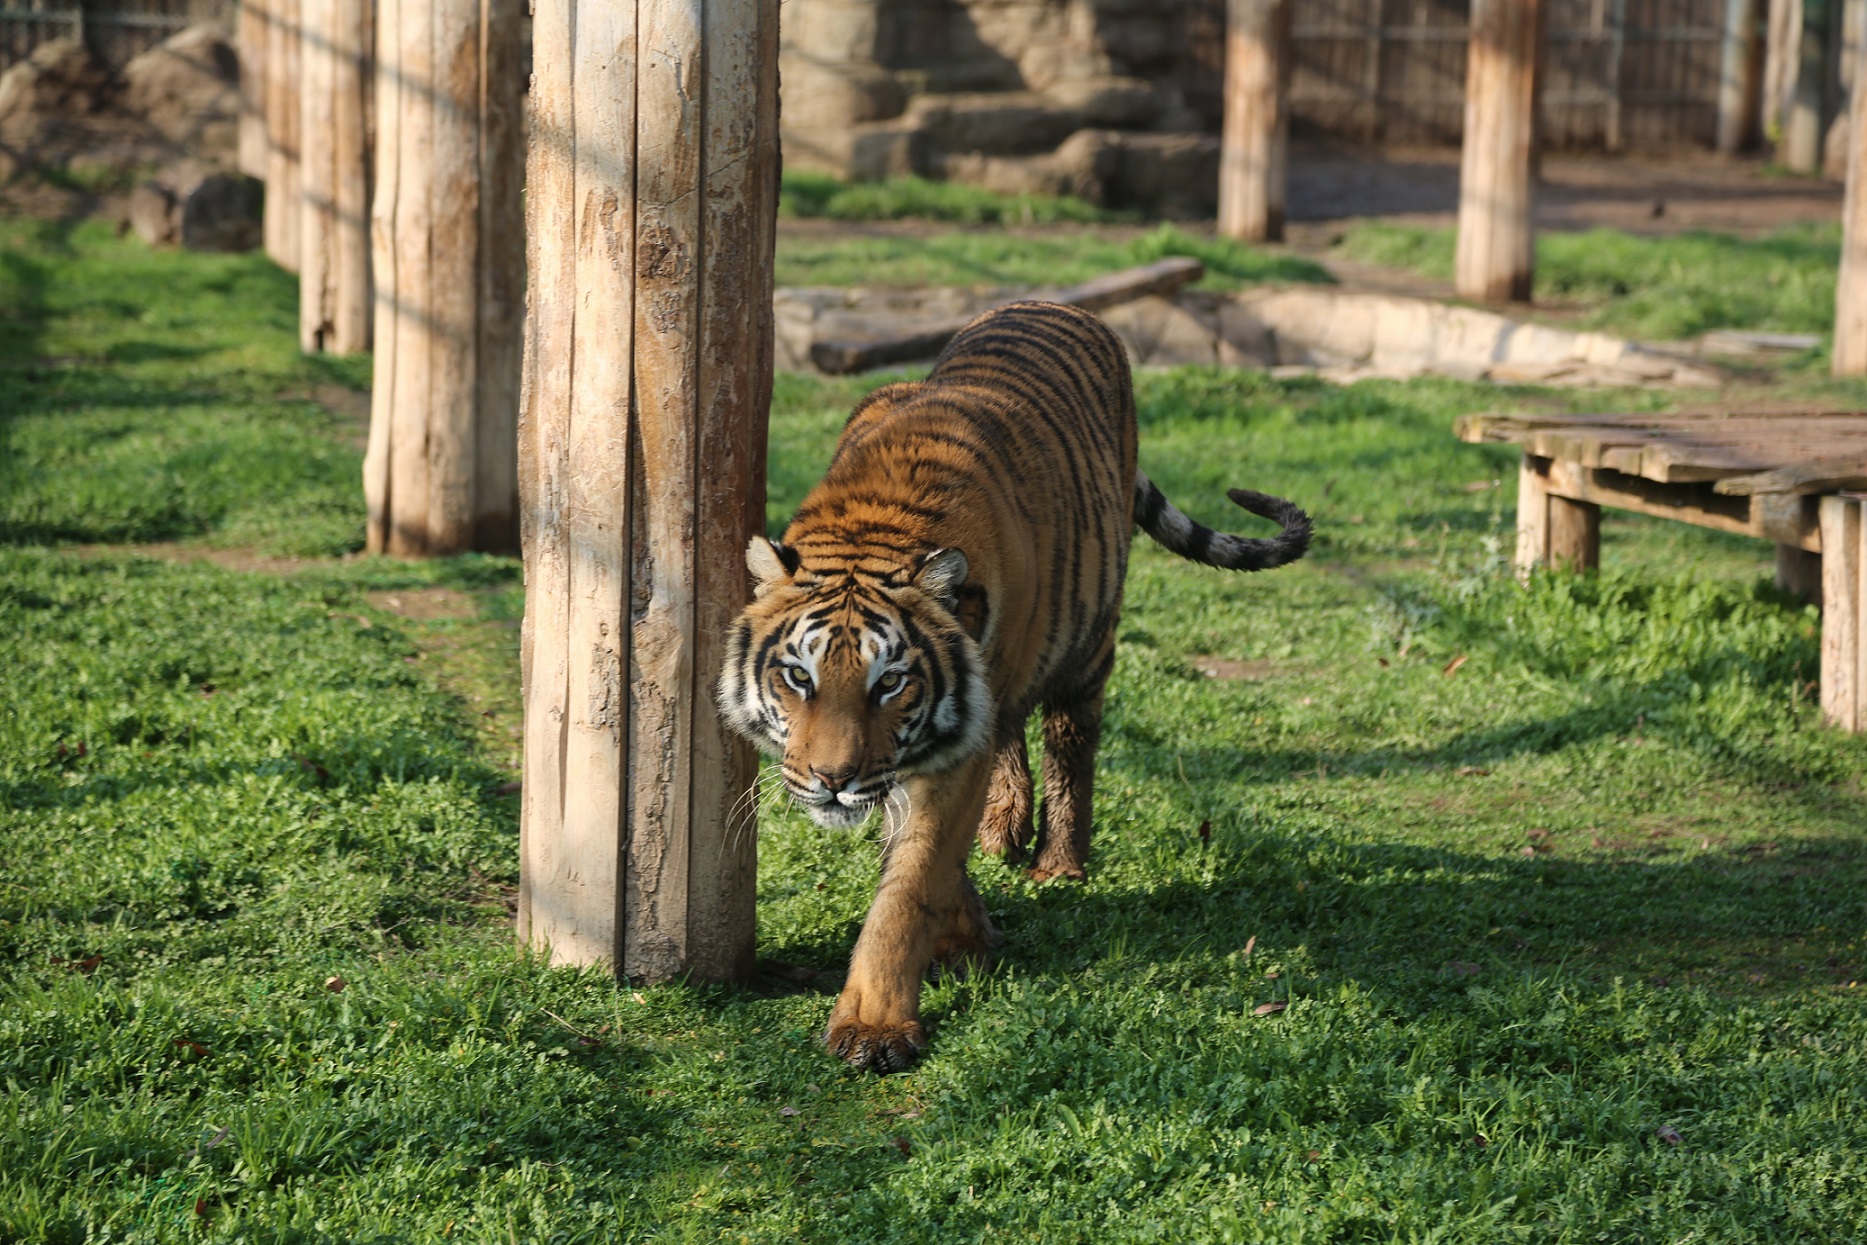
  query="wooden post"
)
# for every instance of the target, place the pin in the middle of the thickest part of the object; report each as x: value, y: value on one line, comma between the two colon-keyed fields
x: 1574, y: 534
x: 441, y: 472
x: 1253, y: 150
x: 1842, y: 594
x: 1799, y: 573
x: 1801, y: 148
x: 651, y: 202
x: 1739, y: 80
x: 1849, y: 356
x: 252, y: 37
x: 1495, y: 262
x: 1532, y: 516
x: 334, y: 174
x: 282, y: 68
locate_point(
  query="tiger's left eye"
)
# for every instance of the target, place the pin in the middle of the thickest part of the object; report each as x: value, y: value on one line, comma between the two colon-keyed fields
x: 890, y: 681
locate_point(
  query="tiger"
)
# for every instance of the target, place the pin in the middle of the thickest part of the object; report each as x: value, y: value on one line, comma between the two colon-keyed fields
x: 959, y: 565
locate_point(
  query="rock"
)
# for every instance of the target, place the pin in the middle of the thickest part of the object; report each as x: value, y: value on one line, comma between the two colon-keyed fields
x: 60, y: 78
x: 1000, y: 123
x: 1171, y: 175
x: 1162, y: 333
x: 1112, y: 103
x: 186, y: 87
x: 199, y: 211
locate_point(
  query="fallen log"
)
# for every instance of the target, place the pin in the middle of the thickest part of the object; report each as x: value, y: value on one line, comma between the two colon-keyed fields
x: 1162, y: 277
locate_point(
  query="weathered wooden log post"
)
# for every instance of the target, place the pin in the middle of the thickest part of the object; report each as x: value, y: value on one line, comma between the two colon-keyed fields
x: 448, y: 262
x: 1800, y: 150
x: 1495, y: 260
x: 252, y: 46
x: 282, y: 68
x: 651, y: 202
x: 1849, y: 356
x: 1740, y: 82
x: 1253, y: 151
x: 334, y: 175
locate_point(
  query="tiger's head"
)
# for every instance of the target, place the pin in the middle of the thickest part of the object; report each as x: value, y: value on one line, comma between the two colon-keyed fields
x: 857, y: 681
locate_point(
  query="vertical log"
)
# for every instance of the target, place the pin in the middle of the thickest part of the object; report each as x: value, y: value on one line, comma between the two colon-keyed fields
x: 1849, y: 356
x: 1494, y: 260
x: 1841, y: 612
x: 1256, y: 132
x: 446, y: 362
x: 282, y: 68
x: 1739, y: 77
x: 252, y: 41
x: 651, y: 203
x: 334, y: 174
x: 1799, y: 573
x: 1532, y: 516
x: 1801, y: 148
x: 1574, y: 534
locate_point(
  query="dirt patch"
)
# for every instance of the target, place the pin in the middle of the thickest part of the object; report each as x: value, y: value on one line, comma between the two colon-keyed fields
x: 427, y: 604
x: 230, y: 559
x: 1245, y: 671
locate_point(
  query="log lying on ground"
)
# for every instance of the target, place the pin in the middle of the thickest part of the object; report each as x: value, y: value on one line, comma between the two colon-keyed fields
x: 1162, y: 277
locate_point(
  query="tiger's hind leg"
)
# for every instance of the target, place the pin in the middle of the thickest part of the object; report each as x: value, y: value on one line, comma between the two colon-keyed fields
x: 1005, y: 829
x: 1072, y: 728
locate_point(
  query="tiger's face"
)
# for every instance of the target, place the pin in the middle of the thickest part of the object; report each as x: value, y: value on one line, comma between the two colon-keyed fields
x: 857, y: 682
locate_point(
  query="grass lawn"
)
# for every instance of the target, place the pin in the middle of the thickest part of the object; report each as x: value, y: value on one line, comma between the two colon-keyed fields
x: 1657, y: 289
x: 1564, y: 891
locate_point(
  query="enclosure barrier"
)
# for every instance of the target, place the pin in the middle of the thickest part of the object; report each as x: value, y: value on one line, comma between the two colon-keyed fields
x: 651, y: 205
x: 1255, y: 139
x: 1495, y: 260
x: 334, y: 176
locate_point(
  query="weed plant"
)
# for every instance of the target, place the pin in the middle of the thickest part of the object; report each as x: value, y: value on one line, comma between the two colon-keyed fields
x: 1423, y: 906
x: 1654, y: 288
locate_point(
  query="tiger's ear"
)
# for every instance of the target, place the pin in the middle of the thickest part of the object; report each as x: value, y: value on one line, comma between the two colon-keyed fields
x: 770, y: 563
x: 941, y: 574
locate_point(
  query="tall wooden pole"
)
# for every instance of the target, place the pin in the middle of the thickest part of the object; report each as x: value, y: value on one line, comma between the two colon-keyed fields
x: 334, y: 309
x: 1849, y: 356
x: 1256, y: 136
x: 1495, y: 260
x: 1739, y: 76
x: 1800, y: 150
x: 282, y: 69
x: 441, y: 472
x: 651, y: 204
x: 252, y: 45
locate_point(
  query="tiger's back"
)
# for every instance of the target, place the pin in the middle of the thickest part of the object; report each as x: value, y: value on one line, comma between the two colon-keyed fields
x: 959, y: 565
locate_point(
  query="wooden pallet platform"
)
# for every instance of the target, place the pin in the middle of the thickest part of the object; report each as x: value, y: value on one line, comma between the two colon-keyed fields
x: 1792, y: 477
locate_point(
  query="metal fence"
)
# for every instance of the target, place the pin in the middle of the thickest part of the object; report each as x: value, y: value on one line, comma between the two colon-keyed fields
x: 117, y: 31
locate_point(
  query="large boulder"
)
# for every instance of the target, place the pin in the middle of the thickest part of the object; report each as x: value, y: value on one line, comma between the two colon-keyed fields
x: 187, y: 89
x: 199, y: 210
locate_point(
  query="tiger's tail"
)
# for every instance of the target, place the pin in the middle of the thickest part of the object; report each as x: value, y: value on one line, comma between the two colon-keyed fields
x: 1162, y: 520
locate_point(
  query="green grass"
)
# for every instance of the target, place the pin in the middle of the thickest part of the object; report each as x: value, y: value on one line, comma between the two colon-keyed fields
x: 1053, y: 257
x: 1658, y: 289
x: 806, y: 195
x: 1602, y: 878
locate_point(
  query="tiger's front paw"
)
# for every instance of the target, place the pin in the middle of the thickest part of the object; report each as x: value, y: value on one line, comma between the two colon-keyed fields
x: 876, y: 1048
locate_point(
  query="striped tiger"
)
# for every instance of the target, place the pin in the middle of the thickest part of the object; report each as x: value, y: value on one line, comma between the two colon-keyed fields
x: 959, y: 565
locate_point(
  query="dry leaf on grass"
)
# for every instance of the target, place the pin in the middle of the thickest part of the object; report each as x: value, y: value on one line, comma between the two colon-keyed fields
x: 335, y: 984
x: 1668, y: 1134
x: 1452, y: 666
x: 1269, y: 1009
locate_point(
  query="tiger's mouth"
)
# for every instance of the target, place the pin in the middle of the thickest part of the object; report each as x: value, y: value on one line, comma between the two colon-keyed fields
x: 840, y: 810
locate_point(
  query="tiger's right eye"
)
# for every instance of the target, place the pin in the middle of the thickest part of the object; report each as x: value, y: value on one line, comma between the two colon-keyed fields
x: 798, y: 678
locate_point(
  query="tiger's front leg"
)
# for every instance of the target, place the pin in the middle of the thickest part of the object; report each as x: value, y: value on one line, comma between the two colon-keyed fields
x: 876, y: 1021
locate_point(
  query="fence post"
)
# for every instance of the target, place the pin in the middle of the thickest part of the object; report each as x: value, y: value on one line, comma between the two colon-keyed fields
x: 1801, y: 147
x: 1739, y: 83
x: 441, y: 473
x: 334, y: 175
x: 1256, y: 133
x: 652, y: 197
x: 252, y: 38
x: 282, y: 69
x: 1849, y: 356
x: 1495, y: 260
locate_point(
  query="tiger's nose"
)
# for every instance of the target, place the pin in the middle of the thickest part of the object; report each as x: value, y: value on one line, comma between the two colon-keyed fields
x: 834, y: 778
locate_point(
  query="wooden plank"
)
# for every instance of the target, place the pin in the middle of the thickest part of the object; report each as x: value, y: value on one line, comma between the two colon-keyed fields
x: 1841, y: 612
x: 1495, y: 260
x: 667, y: 293
x: 499, y: 306
x: 1255, y: 132
x: 254, y: 19
x: 449, y: 333
x: 553, y: 901
x: 379, y: 459
x: 281, y: 222
x: 1772, y: 517
x: 1162, y: 277
x: 1822, y: 476
x: 735, y: 376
